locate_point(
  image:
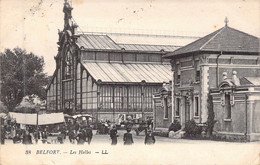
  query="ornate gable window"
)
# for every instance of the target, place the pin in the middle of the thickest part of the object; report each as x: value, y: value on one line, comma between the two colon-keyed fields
x: 68, y: 66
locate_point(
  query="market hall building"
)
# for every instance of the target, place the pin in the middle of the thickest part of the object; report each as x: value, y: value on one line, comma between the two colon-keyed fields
x: 106, y: 76
x: 198, y: 69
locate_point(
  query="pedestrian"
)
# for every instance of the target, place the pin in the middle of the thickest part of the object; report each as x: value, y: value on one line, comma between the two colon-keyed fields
x: 2, y: 134
x: 16, y: 139
x: 89, y: 134
x: 128, y: 138
x: 27, y: 138
x: 63, y: 132
x: 44, y: 136
x: 113, y: 135
x: 36, y: 135
x: 81, y: 137
x: 72, y: 136
x: 60, y: 138
x: 149, y: 138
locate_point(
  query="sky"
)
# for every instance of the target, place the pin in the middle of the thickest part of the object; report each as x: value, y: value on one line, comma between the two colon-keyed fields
x: 33, y: 24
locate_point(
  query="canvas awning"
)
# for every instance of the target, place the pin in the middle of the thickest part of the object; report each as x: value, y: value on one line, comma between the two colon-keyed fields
x: 43, y: 119
x: 3, y: 115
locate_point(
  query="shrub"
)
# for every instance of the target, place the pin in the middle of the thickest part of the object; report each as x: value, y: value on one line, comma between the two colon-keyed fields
x: 175, y: 126
x: 162, y: 134
x: 191, y: 129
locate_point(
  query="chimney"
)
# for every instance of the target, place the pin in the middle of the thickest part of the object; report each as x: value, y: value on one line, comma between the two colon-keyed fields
x: 235, y: 79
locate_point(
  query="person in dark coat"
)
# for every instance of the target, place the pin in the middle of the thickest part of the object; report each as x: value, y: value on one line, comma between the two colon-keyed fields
x: 36, y: 135
x: 72, y: 136
x: 76, y: 126
x: 60, y: 138
x: 113, y: 135
x: 81, y: 137
x: 2, y: 133
x: 89, y: 134
x: 17, y: 139
x: 27, y: 138
x: 149, y: 138
x: 44, y: 136
x: 128, y: 139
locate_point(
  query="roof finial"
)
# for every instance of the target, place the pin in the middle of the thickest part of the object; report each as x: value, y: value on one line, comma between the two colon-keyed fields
x: 226, y: 21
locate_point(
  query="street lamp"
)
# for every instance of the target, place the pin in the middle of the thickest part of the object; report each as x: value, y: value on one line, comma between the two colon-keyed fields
x: 37, y: 108
x: 143, y: 83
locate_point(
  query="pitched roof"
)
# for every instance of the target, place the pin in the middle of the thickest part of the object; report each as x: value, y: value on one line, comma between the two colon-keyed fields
x: 152, y: 43
x: 144, y: 47
x: 250, y: 81
x: 226, y: 40
x: 103, y: 42
x: 128, y: 73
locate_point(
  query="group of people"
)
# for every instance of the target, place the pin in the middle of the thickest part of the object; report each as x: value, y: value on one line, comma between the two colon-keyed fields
x: 75, y: 136
x: 128, y: 138
x: 76, y: 132
x: 81, y: 135
x: 26, y: 137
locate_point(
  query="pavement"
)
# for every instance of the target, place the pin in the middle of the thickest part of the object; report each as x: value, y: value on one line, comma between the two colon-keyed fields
x: 100, y: 151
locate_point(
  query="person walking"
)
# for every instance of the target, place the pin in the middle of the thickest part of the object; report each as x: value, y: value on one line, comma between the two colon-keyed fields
x: 128, y: 138
x: 2, y: 133
x: 149, y: 138
x: 27, y: 138
x: 89, y: 133
x: 72, y: 136
x: 44, y: 135
x: 36, y: 136
x: 113, y: 135
x: 80, y: 137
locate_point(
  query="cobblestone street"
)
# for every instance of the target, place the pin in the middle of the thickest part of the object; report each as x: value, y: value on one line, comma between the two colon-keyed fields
x: 179, y: 151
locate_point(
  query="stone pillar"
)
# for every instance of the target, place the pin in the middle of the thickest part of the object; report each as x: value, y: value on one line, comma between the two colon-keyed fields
x: 98, y: 103
x: 173, y: 99
x: 204, y: 93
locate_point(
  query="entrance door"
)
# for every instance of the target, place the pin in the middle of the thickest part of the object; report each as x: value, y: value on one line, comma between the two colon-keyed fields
x: 187, y: 109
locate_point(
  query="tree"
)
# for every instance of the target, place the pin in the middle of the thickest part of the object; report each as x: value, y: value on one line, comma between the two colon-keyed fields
x: 21, y: 75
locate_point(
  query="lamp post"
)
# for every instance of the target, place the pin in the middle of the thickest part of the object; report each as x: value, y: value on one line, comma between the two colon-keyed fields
x: 142, y: 98
x: 37, y: 108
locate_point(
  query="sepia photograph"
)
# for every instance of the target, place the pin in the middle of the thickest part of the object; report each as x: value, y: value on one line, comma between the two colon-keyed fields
x: 130, y: 82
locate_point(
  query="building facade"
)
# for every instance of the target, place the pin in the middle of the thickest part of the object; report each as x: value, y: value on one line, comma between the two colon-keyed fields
x: 97, y: 75
x: 198, y: 67
x: 236, y: 105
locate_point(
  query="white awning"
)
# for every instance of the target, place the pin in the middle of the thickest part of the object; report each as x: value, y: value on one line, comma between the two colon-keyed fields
x: 43, y: 119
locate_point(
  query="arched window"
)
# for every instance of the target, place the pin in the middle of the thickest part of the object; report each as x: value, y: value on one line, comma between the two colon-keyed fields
x: 227, y: 106
x: 68, y: 66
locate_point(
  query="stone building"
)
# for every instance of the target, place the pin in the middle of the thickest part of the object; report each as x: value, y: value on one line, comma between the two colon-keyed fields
x: 110, y: 75
x: 162, y: 113
x: 198, y: 67
x: 236, y: 104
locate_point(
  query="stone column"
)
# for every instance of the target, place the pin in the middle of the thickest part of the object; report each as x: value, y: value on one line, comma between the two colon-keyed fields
x: 204, y: 92
x: 173, y: 99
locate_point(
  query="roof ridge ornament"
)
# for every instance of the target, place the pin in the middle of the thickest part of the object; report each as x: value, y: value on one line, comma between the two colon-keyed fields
x: 226, y: 21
